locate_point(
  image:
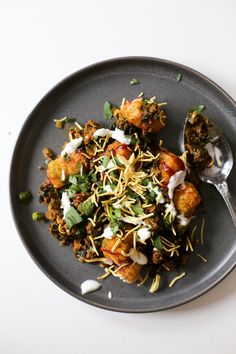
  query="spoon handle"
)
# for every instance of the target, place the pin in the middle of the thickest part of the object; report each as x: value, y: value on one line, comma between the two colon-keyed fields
x: 224, y: 191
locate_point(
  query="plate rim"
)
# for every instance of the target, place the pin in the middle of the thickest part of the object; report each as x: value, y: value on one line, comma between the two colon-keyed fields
x: 79, y: 72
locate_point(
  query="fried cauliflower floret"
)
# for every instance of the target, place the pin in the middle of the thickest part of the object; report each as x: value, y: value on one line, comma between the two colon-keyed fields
x: 127, y: 270
x: 186, y: 199
x: 118, y: 149
x: 60, y: 168
x: 145, y: 116
x: 168, y: 165
x: 118, y: 255
x: 129, y: 273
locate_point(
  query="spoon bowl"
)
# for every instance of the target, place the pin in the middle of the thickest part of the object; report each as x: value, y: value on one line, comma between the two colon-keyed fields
x: 222, y: 158
x: 221, y: 165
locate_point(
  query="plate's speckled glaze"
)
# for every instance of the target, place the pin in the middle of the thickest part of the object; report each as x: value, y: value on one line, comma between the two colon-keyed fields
x: 82, y: 95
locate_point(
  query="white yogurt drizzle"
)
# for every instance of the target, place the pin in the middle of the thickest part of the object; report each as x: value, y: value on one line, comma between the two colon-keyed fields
x: 116, y: 134
x: 63, y: 176
x: 183, y: 220
x: 65, y: 203
x: 174, y: 181
x: 144, y: 233
x: 71, y: 146
x: 89, y: 285
x: 159, y: 196
x: 107, y: 232
x: 137, y: 257
x: 170, y: 209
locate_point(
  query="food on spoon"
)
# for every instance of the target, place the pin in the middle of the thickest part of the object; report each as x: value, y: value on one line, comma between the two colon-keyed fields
x: 199, y: 134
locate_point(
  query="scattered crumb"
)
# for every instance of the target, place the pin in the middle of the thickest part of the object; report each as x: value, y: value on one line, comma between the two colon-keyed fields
x: 134, y: 81
x: 109, y: 295
x: 47, y: 153
x: 179, y: 77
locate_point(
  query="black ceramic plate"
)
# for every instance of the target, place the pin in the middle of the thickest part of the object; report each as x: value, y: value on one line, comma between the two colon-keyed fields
x: 82, y: 95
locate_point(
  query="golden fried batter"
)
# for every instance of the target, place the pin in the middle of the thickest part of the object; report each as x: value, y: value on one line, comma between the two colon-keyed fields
x: 60, y: 168
x: 118, y: 149
x: 169, y: 164
x: 141, y: 115
x: 117, y: 255
x: 129, y: 273
x: 186, y: 199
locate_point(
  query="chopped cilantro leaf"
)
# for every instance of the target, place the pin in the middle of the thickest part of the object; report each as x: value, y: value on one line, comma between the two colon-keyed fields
x: 197, y: 109
x: 157, y: 243
x: 132, y: 194
x: 117, y: 213
x: 167, y: 222
x: 117, y: 162
x: 70, y: 120
x: 73, y: 179
x: 137, y: 209
x: 72, y: 217
x: 93, y: 177
x: 79, y: 183
x: 86, y: 207
x: 115, y: 228
x: 145, y: 181
x: 116, y: 225
x: 134, y: 140
x: 105, y: 161
x: 152, y: 194
x: 107, y: 110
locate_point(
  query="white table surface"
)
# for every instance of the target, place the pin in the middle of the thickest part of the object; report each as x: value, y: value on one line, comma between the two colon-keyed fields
x: 41, y: 43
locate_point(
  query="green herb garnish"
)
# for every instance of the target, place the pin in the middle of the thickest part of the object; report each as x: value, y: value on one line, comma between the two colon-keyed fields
x: 72, y: 217
x: 145, y: 181
x: 134, y: 81
x: 137, y: 209
x: 132, y: 194
x: 115, y: 228
x: 134, y: 140
x: 70, y: 120
x: 59, y: 123
x: 107, y: 110
x: 168, y: 222
x: 157, y: 243
x: 25, y: 197
x: 117, y: 161
x: 93, y: 177
x: 117, y: 213
x: 105, y: 161
x: 197, y: 109
x: 79, y: 183
x: 73, y: 179
x: 179, y: 77
x: 116, y: 225
x: 37, y: 216
x: 86, y: 207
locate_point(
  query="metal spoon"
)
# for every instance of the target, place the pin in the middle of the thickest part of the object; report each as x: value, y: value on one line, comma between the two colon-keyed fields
x: 221, y: 154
